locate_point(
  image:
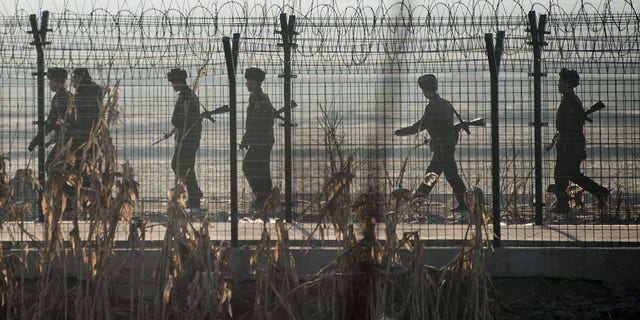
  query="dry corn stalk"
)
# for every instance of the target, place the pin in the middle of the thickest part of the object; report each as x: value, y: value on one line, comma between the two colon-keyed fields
x: 109, y: 197
x: 191, y: 278
x: 276, y: 278
x: 11, y: 292
x: 16, y: 194
x: 464, y: 284
x: 5, y: 190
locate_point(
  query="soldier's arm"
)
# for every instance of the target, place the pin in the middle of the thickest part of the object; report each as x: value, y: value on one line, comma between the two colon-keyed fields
x: 414, y: 128
x: 179, y: 112
x: 49, y: 123
x: 260, y: 122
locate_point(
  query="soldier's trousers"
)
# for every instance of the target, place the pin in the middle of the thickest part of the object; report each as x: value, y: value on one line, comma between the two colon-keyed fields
x: 256, y: 170
x: 183, y: 165
x: 443, y: 160
x: 568, y: 168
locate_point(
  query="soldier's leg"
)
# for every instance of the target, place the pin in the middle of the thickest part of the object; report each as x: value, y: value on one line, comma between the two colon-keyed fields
x: 589, y: 185
x: 188, y: 166
x: 68, y: 190
x: 561, y: 175
x: 174, y: 160
x: 435, y: 166
x: 252, y: 168
x: 183, y: 164
x: 263, y: 175
x: 454, y: 179
x: 600, y: 192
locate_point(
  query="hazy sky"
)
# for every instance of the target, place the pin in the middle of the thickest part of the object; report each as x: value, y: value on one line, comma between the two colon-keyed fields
x: 83, y: 6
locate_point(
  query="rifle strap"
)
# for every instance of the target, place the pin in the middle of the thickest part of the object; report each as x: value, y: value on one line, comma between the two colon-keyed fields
x: 459, y: 118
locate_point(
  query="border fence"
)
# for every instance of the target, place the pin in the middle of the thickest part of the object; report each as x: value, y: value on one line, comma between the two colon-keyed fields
x: 352, y: 72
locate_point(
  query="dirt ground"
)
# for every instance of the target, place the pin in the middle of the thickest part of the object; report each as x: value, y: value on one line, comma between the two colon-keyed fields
x: 555, y: 298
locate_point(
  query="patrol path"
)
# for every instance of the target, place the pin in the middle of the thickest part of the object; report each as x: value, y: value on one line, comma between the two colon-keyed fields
x: 306, y: 233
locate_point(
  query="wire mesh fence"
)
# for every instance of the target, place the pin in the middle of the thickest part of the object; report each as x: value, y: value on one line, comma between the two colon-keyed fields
x: 355, y: 83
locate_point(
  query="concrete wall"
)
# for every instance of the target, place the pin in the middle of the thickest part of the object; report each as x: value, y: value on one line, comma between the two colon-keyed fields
x: 615, y: 267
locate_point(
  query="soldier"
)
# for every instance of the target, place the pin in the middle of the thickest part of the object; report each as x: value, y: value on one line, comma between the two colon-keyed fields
x: 438, y: 121
x: 87, y: 102
x: 59, y: 123
x: 60, y: 108
x: 258, y: 138
x: 570, y: 147
x: 188, y: 129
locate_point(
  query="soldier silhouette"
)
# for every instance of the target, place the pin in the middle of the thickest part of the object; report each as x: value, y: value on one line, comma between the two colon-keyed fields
x: 438, y: 121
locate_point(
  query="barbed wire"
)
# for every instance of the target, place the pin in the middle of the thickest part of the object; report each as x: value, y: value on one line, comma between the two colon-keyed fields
x: 391, y: 32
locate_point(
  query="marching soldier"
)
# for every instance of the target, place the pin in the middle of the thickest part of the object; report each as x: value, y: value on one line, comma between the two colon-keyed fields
x: 188, y: 128
x: 570, y: 146
x: 438, y: 121
x: 87, y: 102
x: 58, y: 114
x: 258, y: 138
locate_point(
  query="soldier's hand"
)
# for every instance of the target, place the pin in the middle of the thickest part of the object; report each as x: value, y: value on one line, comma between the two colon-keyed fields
x: 170, y: 133
x: 400, y: 133
x: 32, y: 146
x: 243, y: 146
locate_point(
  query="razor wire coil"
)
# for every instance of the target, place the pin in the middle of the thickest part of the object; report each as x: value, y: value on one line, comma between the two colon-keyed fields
x: 391, y: 32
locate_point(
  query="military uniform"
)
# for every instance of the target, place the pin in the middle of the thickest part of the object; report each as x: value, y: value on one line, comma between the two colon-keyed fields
x: 87, y: 103
x: 57, y: 117
x: 186, y: 119
x: 438, y: 121
x: 259, y: 140
x: 570, y: 146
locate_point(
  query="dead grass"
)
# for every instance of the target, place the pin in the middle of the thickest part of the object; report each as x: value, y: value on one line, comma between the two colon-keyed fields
x: 368, y: 279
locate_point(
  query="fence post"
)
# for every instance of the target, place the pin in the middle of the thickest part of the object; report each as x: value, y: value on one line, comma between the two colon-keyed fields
x: 39, y: 41
x: 494, y: 53
x: 537, y: 41
x: 231, y: 57
x: 287, y: 30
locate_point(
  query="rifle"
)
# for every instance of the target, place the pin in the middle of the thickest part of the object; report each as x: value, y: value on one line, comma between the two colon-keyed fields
x: 205, y: 115
x: 166, y: 136
x: 278, y: 113
x: 596, y: 107
x: 464, y: 125
x: 424, y: 142
x: 208, y: 114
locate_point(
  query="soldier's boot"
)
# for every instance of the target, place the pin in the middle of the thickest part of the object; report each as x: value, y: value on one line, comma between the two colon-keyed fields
x: 603, y: 200
x: 193, y: 203
x: 462, y: 207
x: 562, y: 203
x: 421, y: 194
x: 261, y: 198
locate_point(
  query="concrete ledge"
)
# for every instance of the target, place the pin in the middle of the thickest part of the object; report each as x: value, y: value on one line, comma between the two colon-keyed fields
x: 615, y: 267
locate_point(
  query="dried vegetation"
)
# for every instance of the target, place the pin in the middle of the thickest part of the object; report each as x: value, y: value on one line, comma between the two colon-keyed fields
x: 78, y: 277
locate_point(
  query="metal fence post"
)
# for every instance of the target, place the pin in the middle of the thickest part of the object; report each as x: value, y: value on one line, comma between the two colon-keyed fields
x: 39, y: 41
x: 537, y: 41
x: 494, y: 53
x: 231, y: 61
x: 287, y: 30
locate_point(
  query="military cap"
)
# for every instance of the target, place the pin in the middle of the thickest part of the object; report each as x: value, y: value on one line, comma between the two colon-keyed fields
x: 176, y: 74
x: 81, y: 72
x: 57, y: 74
x: 570, y: 76
x: 254, y: 74
x: 428, y: 81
